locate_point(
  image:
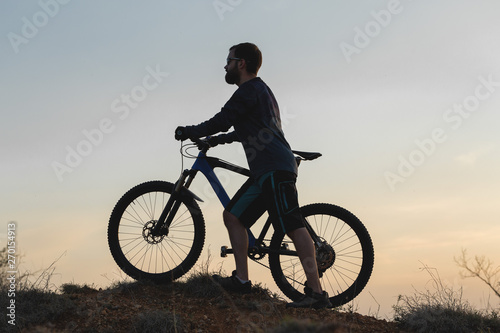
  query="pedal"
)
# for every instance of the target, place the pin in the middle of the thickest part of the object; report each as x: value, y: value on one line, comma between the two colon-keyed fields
x: 224, y: 250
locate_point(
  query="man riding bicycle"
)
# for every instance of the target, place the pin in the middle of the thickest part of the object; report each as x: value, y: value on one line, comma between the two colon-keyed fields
x: 254, y: 114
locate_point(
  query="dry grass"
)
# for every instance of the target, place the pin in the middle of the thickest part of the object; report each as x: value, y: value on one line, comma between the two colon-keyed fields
x: 36, y: 300
x: 442, y: 309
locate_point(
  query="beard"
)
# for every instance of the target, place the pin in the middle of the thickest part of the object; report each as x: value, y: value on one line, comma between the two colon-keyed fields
x: 232, y: 77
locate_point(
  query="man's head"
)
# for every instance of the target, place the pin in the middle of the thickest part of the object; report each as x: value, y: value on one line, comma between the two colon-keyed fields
x: 243, y: 61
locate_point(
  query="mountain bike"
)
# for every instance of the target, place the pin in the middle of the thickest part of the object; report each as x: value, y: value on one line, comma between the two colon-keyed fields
x: 156, y: 233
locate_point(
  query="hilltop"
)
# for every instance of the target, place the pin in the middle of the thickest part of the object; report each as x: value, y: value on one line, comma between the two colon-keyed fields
x: 196, y: 305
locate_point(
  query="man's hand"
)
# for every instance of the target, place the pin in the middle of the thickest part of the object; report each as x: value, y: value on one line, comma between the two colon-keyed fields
x: 209, y: 141
x: 213, y: 140
x: 181, y: 133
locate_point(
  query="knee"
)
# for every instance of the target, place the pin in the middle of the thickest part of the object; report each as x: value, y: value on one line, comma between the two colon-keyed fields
x: 229, y: 219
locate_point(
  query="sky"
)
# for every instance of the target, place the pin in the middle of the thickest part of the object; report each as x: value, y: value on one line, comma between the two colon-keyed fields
x: 400, y: 97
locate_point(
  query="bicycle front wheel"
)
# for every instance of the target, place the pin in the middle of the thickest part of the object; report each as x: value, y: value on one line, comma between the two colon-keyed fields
x: 162, y: 258
x: 345, y: 260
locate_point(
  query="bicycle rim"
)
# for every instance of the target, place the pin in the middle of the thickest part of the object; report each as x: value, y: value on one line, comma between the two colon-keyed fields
x: 162, y: 258
x: 344, y: 272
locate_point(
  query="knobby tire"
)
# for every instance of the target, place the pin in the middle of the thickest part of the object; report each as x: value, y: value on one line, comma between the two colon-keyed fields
x: 353, y: 248
x: 160, y: 259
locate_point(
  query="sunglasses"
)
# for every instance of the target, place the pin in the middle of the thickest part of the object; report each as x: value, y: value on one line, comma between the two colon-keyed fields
x: 228, y: 60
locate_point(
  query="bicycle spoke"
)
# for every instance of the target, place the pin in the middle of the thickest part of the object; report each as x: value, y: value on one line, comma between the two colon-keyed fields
x: 170, y: 251
x: 343, y: 268
x: 163, y: 255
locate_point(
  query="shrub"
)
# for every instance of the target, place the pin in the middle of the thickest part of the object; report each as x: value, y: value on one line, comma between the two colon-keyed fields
x: 201, y: 285
x: 71, y: 288
x: 35, y: 307
x: 442, y: 310
x: 35, y: 299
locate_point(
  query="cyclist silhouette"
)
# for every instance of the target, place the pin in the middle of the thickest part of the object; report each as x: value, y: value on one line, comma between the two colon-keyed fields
x: 254, y: 114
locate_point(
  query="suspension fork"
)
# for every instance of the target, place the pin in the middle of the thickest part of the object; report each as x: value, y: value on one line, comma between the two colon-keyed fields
x: 174, y: 201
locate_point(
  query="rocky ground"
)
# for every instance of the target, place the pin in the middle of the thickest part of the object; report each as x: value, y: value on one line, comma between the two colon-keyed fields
x: 195, y: 306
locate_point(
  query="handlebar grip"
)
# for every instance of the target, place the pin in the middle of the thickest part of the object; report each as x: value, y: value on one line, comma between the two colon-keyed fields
x: 202, y: 144
x: 196, y: 140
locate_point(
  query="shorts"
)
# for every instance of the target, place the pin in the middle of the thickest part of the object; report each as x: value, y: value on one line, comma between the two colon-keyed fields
x: 275, y: 192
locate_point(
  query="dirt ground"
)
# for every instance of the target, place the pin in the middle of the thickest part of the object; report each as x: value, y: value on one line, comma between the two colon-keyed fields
x: 172, y: 308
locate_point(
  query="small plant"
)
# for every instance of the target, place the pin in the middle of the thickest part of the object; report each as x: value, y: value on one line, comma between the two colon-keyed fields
x: 35, y: 298
x: 71, y: 288
x: 442, y: 310
x: 202, y: 285
x: 200, y: 282
x: 38, y: 306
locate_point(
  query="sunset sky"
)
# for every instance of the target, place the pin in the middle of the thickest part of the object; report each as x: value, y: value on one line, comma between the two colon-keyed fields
x: 401, y: 97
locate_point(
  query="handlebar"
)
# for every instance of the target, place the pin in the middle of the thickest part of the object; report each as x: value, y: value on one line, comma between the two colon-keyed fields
x: 202, y: 144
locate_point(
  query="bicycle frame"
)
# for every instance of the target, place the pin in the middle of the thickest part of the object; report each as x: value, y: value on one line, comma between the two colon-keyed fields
x: 207, y: 164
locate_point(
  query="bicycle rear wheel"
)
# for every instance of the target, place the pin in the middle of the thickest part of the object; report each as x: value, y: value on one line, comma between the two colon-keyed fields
x: 163, y: 258
x: 345, y: 262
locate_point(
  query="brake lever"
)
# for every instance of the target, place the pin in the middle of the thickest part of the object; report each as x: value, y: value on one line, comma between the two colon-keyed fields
x: 201, y: 144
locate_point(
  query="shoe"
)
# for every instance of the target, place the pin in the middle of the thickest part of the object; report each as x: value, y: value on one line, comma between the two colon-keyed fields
x: 233, y: 284
x: 312, y: 300
x: 307, y: 291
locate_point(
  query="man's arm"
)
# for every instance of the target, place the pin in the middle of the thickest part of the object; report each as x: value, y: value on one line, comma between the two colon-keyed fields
x: 226, y: 138
x: 218, y: 123
x: 242, y: 101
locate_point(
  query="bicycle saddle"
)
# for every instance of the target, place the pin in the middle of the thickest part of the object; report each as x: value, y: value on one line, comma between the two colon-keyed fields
x: 306, y: 155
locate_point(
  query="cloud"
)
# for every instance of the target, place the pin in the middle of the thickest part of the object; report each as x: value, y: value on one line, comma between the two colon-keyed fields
x: 439, y: 240
x: 470, y: 158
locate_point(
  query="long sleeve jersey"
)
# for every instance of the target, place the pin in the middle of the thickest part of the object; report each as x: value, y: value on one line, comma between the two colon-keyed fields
x: 253, y: 112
